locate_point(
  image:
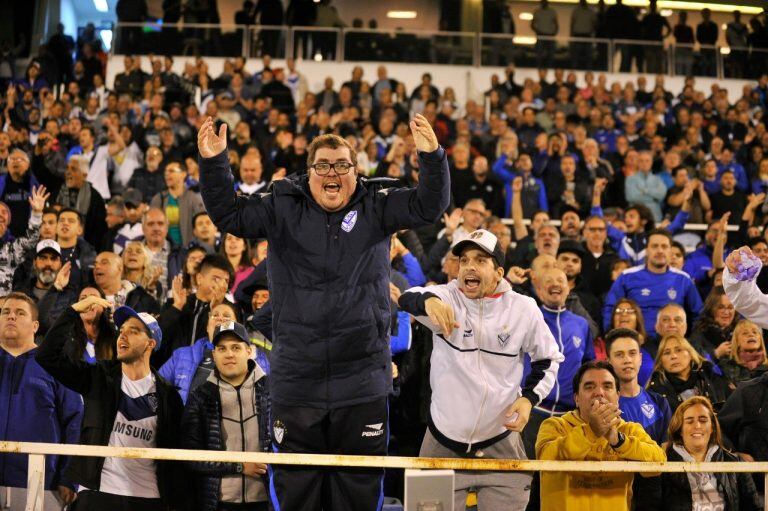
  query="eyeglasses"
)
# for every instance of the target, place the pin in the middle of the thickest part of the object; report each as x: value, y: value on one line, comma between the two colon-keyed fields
x: 340, y: 167
x: 595, y: 229
x: 627, y: 310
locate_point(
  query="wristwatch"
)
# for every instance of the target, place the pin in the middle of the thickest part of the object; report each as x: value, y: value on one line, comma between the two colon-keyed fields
x: 620, y: 442
x: 239, y: 469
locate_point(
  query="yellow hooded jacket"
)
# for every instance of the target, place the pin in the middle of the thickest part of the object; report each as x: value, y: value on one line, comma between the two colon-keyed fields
x: 570, y: 438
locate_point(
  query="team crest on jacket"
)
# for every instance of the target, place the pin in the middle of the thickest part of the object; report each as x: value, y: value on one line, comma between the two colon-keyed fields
x: 349, y: 221
x: 278, y: 430
x: 648, y: 410
x: 503, y: 338
x: 672, y: 293
x: 577, y: 341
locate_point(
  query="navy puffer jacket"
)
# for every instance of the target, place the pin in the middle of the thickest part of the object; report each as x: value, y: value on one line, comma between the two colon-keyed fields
x: 328, y: 275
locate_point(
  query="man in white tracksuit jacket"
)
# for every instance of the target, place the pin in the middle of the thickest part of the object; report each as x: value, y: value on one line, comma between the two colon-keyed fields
x: 746, y: 297
x: 482, y: 332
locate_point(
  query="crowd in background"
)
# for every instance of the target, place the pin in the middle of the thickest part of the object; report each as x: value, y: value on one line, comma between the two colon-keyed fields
x: 622, y: 167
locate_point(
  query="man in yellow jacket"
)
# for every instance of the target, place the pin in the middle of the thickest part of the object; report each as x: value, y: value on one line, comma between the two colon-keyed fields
x: 592, y: 432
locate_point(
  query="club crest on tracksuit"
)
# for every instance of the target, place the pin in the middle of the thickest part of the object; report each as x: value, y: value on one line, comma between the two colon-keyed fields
x: 278, y: 431
x: 672, y: 293
x: 577, y: 341
x: 503, y: 338
x: 349, y: 221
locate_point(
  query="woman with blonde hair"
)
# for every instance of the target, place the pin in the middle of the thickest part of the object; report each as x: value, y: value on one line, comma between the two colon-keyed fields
x: 138, y: 269
x: 680, y: 372
x: 694, y: 435
x: 747, y: 359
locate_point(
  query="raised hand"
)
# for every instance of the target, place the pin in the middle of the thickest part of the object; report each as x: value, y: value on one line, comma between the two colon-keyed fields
x: 734, y: 258
x: 208, y: 142
x: 38, y: 199
x: 178, y: 292
x: 517, y: 184
x: 517, y: 275
x: 423, y: 135
x: 452, y: 221
x: 441, y: 314
x: 89, y: 302
x: 62, y: 278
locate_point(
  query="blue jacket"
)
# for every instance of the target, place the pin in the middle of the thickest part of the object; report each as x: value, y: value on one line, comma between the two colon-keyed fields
x: 632, y: 246
x: 571, y: 333
x: 506, y: 173
x: 329, y: 275
x: 652, y: 291
x: 35, y: 408
x: 180, y: 369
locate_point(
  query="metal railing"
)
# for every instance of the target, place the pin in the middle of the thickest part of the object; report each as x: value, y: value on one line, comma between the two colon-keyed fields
x: 438, y: 47
x: 38, y: 451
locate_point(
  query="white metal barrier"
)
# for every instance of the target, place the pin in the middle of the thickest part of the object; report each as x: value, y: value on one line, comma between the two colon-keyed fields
x: 38, y: 451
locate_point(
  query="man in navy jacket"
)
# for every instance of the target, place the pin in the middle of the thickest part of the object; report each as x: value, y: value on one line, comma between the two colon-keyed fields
x: 329, y: 273
x: 36, y: 408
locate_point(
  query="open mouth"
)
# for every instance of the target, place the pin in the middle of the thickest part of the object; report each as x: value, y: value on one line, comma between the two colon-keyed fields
x: 556, y: 292
x: 122, y: 346
x: 332, y: 188
x: 471, y: 284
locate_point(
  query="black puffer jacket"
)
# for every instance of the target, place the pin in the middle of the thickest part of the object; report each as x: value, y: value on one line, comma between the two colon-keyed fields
x: 744, y: 418
x: 329, y: 275
x: 202, y: 429
x: 738, y: 489
x: 706, y: 382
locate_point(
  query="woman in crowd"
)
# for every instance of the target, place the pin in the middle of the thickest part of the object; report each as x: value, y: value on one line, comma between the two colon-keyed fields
x: 680, y: 372
x: 138, y: 269
x: 712, y: 332
x: 747, y: 353
x: 91, y: 334
x: 694, y: 435
x: 194, y: 256
x: 237, y: 253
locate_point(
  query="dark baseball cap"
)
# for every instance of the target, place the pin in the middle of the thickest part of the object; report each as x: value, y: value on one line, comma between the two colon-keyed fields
x: 485, y: 241
x: 231, y: 328
x: 571, y: 246
x: 133, y: 197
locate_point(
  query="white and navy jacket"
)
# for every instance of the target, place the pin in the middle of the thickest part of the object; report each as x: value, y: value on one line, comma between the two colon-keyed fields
x: 477, y: 372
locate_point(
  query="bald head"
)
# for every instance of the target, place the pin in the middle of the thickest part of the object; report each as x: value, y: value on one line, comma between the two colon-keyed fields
x: 541, y: 263
x: 552, y: 287
x: 250, y: 169
x: 671, y: 319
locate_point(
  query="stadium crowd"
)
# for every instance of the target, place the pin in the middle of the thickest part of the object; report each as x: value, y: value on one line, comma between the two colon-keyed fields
x: 107, y: 252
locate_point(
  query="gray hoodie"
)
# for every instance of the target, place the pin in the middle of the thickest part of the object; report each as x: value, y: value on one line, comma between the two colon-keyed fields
x: 240, y: 431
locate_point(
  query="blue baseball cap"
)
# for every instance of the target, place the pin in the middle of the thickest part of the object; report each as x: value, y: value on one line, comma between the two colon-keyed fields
x: 124, y: 313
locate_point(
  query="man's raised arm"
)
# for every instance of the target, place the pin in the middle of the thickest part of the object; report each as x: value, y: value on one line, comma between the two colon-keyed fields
x: 243, y: 217
x: 404, y: 209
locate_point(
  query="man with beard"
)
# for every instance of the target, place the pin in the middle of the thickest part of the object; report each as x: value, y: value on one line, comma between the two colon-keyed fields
x: 483, y: 417
x: 654, y: 284
x: 127, y: 404
x: 570, y: 224
x: 45, y: 267
x: 570, y: 260
x: 480, y: 184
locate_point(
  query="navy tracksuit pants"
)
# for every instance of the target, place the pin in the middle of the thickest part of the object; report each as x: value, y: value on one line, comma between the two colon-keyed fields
x: 358, y: 430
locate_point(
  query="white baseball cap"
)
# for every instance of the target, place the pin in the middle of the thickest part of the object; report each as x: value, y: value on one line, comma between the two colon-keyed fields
x: 48, y: 245
x: 485, y: 241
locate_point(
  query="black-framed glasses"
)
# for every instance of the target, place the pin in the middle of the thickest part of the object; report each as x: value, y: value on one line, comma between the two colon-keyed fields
x: 340, y: 167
